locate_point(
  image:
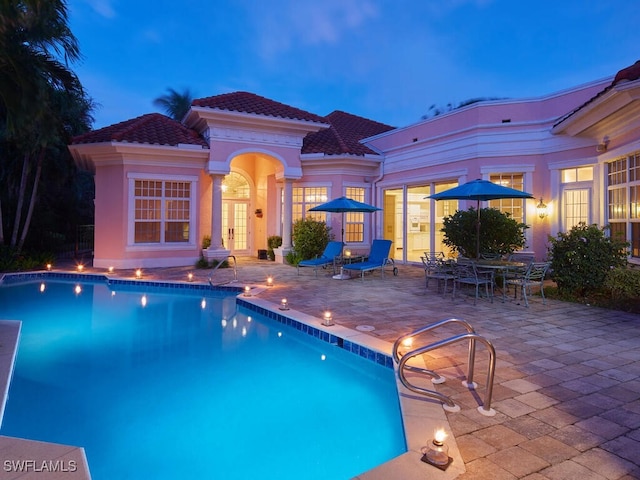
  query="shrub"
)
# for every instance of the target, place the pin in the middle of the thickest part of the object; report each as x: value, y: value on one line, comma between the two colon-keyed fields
x: 582, y: 257
x: 623, y: 283
x: 206, y: 242
x: 273, y: 242
x: 499, y: 233
x: 310, y: 237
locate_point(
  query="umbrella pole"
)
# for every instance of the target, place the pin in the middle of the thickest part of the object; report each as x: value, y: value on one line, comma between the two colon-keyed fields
x: 340, y: 275
x: 478, y: 233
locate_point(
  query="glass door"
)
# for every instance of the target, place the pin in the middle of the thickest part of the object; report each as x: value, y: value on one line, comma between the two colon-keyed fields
x: 234, y: 226
x: 393, y: 221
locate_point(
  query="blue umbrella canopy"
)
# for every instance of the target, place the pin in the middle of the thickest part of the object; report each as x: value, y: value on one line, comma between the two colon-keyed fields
x: 344, y: 204
x: 479, y: 190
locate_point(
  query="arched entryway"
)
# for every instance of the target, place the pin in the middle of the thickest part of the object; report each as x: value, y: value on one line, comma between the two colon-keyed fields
x: 236, y: 202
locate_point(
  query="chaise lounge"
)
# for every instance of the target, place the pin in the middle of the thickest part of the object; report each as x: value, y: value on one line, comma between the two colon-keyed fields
x: 331, y: 251
x: 378, y: 258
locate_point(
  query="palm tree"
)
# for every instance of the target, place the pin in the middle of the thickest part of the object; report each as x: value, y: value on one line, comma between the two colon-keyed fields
x: 35, y: 39
x: 175, y: 104
x: 34, y: 34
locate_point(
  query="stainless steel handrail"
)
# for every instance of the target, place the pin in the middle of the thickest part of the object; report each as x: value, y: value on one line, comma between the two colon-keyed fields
x: 472, y: 337
x: 436, y: 378
x: 235, y: 270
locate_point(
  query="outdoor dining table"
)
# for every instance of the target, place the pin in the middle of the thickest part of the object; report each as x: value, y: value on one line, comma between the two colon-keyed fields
x: 501, y: 268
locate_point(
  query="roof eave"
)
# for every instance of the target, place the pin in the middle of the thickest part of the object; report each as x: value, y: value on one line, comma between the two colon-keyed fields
x: 618, y: 97
x: 201, y: 117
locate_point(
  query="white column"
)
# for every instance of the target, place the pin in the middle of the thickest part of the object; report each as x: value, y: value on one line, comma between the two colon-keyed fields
x: 287, y: 214
x: 216, y: 250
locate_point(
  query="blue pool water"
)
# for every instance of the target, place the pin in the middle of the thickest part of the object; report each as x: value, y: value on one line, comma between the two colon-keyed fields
x: 190, y: 386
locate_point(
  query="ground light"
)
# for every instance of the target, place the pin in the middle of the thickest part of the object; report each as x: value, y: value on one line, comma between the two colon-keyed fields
x: 436, y: 453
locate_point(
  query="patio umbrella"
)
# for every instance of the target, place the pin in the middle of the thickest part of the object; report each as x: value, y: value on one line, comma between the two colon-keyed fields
x: 479, y: 190
x: 344, y: 205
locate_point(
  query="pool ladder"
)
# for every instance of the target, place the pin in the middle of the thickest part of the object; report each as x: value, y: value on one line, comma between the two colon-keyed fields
x: 447, y: 403
x: 235, y: 271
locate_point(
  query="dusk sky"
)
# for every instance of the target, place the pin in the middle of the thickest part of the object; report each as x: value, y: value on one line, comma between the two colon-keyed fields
x: 387, y: 60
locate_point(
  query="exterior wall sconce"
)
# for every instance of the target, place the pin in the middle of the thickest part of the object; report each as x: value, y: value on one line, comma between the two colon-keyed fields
x: 258, y: 212
x: 541, y: 208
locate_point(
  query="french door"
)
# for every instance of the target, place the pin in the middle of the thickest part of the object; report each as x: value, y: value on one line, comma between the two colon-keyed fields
x: 235, y: 226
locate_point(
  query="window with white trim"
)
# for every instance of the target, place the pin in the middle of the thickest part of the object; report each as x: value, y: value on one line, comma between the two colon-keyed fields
x: 513, y: 206
x: 305, y: 198
x: 576, y: 204
x: 354, y: 221
x: 623, y: 200
x: 162, y: 211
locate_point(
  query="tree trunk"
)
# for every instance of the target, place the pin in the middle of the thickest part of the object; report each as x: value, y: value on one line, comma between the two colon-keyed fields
x: 32, y: 201
x: 1, y: 227
x: 21, y: 194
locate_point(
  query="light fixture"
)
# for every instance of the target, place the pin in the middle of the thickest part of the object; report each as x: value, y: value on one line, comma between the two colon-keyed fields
x: 347, y: 253
x: 541, y: 208
x: 190, y: 277
x: 247, y: 291
x: 269, y: 281
x: 284, y: 305
x: 110, y: 270
x: 327, y: 319
x: 138, y: 273
x: 603, y: 146
x: 49, y: 267
x: 437, y: 452
x: 80, y: 267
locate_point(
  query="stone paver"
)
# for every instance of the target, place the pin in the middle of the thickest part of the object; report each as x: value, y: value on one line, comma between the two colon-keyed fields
x: 567, y: 382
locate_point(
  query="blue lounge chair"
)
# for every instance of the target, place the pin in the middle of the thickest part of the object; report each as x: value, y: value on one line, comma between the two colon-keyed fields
x: 331, y: 251
x: 378, y: 258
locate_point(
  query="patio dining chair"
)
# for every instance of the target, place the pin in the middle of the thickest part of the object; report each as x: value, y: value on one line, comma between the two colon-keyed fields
x: 467, y: 273
x: 516, y: 272
x: 436, y: 268
x: 533, y: 277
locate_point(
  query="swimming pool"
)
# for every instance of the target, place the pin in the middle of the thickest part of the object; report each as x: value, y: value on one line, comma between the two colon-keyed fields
x: 164, y: 383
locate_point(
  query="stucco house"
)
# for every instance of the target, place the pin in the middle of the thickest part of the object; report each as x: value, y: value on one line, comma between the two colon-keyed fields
x: 239, y: 168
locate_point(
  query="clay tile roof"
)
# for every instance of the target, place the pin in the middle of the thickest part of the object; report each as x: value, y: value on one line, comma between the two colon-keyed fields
x: 629, y: 73
x: 344, y: 135
x: 251, y: 103
x: 152, y: 128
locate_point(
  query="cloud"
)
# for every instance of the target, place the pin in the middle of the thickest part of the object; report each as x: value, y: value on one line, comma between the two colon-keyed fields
x: 282, y: 26
x: 103, y: 8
